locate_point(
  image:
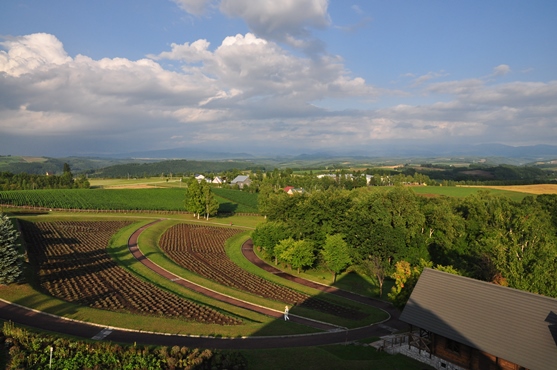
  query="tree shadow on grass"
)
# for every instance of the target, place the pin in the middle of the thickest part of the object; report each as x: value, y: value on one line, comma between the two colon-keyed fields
x: 357, y: 283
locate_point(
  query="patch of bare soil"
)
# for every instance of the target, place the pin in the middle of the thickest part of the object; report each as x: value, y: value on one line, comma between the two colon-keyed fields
x: 135, y: 186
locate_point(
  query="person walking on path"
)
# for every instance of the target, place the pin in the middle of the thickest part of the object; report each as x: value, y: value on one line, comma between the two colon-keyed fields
x: 286, y: 313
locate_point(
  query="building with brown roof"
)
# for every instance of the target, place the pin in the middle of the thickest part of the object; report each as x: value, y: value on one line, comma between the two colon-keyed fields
x: 472, y: 324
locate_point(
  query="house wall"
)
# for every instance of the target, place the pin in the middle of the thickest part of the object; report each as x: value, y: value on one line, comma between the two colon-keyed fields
x: 442, y: 348
x: 468, y: 357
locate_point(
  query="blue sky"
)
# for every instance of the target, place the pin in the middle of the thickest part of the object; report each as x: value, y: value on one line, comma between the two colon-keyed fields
x: 274, y: 77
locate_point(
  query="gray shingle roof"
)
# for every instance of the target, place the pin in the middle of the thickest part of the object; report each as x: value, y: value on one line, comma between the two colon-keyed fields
x: 511, y: 324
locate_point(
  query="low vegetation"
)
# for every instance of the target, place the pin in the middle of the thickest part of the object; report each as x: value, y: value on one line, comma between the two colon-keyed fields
x: 72, y: 264
x: 29, y: 350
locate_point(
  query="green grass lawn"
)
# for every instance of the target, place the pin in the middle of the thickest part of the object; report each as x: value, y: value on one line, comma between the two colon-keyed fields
x: 345, y: 357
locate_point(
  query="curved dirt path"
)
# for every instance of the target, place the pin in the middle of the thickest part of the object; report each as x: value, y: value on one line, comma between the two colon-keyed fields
x: 44, y: 321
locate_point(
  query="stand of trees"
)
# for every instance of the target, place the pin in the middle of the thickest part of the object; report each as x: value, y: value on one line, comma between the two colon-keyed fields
x: 11, y: 261
x: 378, y: 230
x: 24, y: 181
x: 200, y: 200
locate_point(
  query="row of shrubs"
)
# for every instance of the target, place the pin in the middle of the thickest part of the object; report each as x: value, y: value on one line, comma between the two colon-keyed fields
x: 27, y: 350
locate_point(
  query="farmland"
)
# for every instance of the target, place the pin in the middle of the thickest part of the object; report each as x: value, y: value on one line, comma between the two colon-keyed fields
x: 201, y: 249
x: 462, y: 191
x: 73, y: 265
x: 159, y: 199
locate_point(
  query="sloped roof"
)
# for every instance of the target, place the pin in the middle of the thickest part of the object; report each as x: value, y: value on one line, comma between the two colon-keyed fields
x: 514, y: 325
x: 239, y: 178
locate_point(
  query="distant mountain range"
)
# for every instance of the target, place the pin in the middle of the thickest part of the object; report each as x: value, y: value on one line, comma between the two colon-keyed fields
x: 528, y: 153
x: 493, y: 154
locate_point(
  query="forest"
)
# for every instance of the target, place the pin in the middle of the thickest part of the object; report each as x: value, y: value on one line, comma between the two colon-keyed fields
x: 26, y: 181
x: 392, y: 232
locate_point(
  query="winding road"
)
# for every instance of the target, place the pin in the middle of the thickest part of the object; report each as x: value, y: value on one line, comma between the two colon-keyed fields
x: 331, y: 335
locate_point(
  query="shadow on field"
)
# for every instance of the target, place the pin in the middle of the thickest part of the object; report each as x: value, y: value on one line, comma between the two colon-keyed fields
x: 228, y: 207
x: 38, y: 300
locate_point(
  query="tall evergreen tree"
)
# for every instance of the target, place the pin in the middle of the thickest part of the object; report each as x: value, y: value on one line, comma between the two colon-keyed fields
x: 11, y: 266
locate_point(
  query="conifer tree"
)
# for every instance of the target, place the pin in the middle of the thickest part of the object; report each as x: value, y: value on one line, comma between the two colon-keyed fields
x: 11, y: 266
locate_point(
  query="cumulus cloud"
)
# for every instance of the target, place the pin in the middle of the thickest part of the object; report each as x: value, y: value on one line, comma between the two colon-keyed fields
x: 287, y: 21
x: 246, y: 89
x: 31, y: 52
x: 246, y: 80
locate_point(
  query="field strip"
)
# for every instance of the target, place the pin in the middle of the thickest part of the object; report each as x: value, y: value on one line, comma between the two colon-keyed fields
x: 535, y: 189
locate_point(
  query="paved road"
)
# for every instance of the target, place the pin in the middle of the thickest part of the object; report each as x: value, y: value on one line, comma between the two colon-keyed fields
x: 22, y: 315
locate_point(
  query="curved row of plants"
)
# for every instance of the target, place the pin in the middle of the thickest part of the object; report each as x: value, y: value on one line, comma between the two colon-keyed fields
x: 73, y: 265
x: 201, y: 249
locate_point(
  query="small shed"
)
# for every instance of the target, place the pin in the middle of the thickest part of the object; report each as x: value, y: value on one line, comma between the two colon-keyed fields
x: 479, y: 325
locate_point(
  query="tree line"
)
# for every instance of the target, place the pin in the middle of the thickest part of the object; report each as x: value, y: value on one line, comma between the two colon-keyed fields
x: 25, y: 181
x: 392, y: 232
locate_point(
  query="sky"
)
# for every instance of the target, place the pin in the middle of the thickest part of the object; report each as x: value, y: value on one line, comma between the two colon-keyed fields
x: 271, y: 77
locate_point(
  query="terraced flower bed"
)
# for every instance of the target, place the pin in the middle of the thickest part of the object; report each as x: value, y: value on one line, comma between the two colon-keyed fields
x: 201, y: 249
x: 73, y: 265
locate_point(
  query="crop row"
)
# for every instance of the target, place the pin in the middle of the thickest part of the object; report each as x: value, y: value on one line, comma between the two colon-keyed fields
x: 73, y: 265
x: 160, y: 199
x: 201, y: 249
x: 115, y: 199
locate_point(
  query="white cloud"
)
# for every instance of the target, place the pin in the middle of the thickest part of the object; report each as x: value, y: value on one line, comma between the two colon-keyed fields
x: 31, y: 52
x: 501, y: 70
x: 287, y: 21
x: 246, y: 89
x: 425, y: 78
x: 194, y: 7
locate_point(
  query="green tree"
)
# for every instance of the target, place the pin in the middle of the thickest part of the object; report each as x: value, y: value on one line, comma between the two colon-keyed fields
x: 194, y: 198
x: 263, y: 200
x: 267, y: 235
x: 406, y: 276
x: 377, y: 268
x: 524, y: 251
x: 336, y: 254
x: 302, y: 255
x: 66, y: 180
x: 11, y: 265
x: 211, y: 204
x: 283, y: 251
